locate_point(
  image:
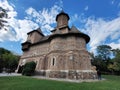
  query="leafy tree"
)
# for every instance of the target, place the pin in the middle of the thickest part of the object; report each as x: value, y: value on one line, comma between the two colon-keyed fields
x: 29, y: 68
x: 104, y: 52
x: 3, y: 15
x: 1, y: 65
x: 99, y: 63
x: 103, y: 62
x: 3, y: 51
x: 102, y: 58
x: 116, y: 63
x: 8, y: 60
x: 111, y: 67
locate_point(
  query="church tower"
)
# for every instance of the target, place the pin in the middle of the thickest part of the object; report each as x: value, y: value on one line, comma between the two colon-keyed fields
x: 62, y: 23
x: 33, y: 37
x: 62, y: 19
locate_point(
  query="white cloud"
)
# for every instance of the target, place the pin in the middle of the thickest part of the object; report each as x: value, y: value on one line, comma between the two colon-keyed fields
x: 100, y: 30
x: 24, y: 26
x: 116, y: 3
x: 20, y: 27
x: 9, y: 7
x: 114, y: 45
x: 45, y: 18
x: 17, y: 29
x: 77, y: 19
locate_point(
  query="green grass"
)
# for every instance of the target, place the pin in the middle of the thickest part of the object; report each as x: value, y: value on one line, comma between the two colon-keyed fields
x: 28, y: 83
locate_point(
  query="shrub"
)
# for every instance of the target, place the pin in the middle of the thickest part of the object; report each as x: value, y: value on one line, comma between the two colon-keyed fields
x: 29, y: 68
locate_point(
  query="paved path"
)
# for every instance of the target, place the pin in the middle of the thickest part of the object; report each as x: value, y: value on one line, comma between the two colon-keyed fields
x: 11, y: 74
x: 68, y: 80
x: 57, y: 79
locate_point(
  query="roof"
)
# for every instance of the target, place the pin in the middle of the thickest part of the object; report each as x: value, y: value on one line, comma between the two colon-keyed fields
x: 62, y: 13
x: 73, y: 31
x: 37, y: 30
x: 27, y: 42
x: 61, y: 27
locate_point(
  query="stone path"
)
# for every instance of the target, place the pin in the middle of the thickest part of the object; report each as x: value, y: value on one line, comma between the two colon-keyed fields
x: 11, y: 74
x: 68, y: 80
x: 57, y: 79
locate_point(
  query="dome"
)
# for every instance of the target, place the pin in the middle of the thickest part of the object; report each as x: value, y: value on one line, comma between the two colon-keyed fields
x: 62, y: 13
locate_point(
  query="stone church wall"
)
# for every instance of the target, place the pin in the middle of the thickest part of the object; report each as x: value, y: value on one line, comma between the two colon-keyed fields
x: 63, y: 57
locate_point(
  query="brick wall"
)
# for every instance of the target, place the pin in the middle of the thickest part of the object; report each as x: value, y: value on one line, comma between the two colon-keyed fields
x: 59, y: 55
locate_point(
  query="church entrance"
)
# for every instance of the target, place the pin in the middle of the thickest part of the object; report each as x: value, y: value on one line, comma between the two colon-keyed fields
x: 20, y: 69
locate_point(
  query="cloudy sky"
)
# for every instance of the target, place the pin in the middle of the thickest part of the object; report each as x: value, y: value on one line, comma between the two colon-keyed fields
x: 100, y: 19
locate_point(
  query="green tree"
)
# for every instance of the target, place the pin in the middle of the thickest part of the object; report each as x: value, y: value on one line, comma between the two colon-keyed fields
x: 8, y: 60
x: 102, y: 58
x: 99, y: 63
x: 29, y: 68
x: 1, y: 65
x: 116, y: 59
x: 3, y: 15
x: 104, y: 52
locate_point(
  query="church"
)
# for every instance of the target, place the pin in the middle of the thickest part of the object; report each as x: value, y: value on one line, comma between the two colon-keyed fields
x: 61, y: 54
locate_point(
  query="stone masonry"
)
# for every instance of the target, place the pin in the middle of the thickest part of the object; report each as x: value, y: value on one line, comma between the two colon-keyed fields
x: 62, y: 54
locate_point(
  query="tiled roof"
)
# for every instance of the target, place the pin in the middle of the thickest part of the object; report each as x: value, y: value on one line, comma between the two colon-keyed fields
x: 37, y: 30
x: 73, y: 31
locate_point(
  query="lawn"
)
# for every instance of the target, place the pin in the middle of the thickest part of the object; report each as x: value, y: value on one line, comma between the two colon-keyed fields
x: 28, y: 83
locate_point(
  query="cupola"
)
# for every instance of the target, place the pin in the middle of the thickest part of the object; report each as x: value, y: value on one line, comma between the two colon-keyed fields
x: 62, y: 19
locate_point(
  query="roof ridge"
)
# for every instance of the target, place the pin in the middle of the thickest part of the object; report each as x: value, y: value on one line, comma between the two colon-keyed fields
x: 74, y: 29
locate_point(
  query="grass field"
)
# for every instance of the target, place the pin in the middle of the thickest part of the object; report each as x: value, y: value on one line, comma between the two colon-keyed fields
x: 28, y: 83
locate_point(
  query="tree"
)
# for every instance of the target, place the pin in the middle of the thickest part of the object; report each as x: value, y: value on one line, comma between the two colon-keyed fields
x: 103, y: 61
x: 1, y: 65
x: 29, y: 68
x: 116, y: 63
x: 8, y: 60
x: 99, y: 63
x: 104, y: 51
x: 102, y: 58
x: 3, y: 15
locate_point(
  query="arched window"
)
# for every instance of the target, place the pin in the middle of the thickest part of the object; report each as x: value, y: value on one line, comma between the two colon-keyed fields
x: 53, y: 61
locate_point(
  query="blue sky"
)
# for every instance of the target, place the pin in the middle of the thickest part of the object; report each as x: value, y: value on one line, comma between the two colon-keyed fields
x: 100, y: 19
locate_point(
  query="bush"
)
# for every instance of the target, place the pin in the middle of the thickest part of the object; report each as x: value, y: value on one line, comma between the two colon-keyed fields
x: 29, y: 68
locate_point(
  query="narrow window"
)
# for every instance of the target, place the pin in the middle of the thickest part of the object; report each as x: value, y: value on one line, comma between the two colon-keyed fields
x: 53, y: 62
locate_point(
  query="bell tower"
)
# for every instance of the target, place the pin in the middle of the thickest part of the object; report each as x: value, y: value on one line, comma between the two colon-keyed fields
x: 62, y: 19
x: 62, y: 23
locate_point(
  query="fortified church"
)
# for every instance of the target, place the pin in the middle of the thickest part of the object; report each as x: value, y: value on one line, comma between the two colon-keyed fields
x: 62, y: 54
